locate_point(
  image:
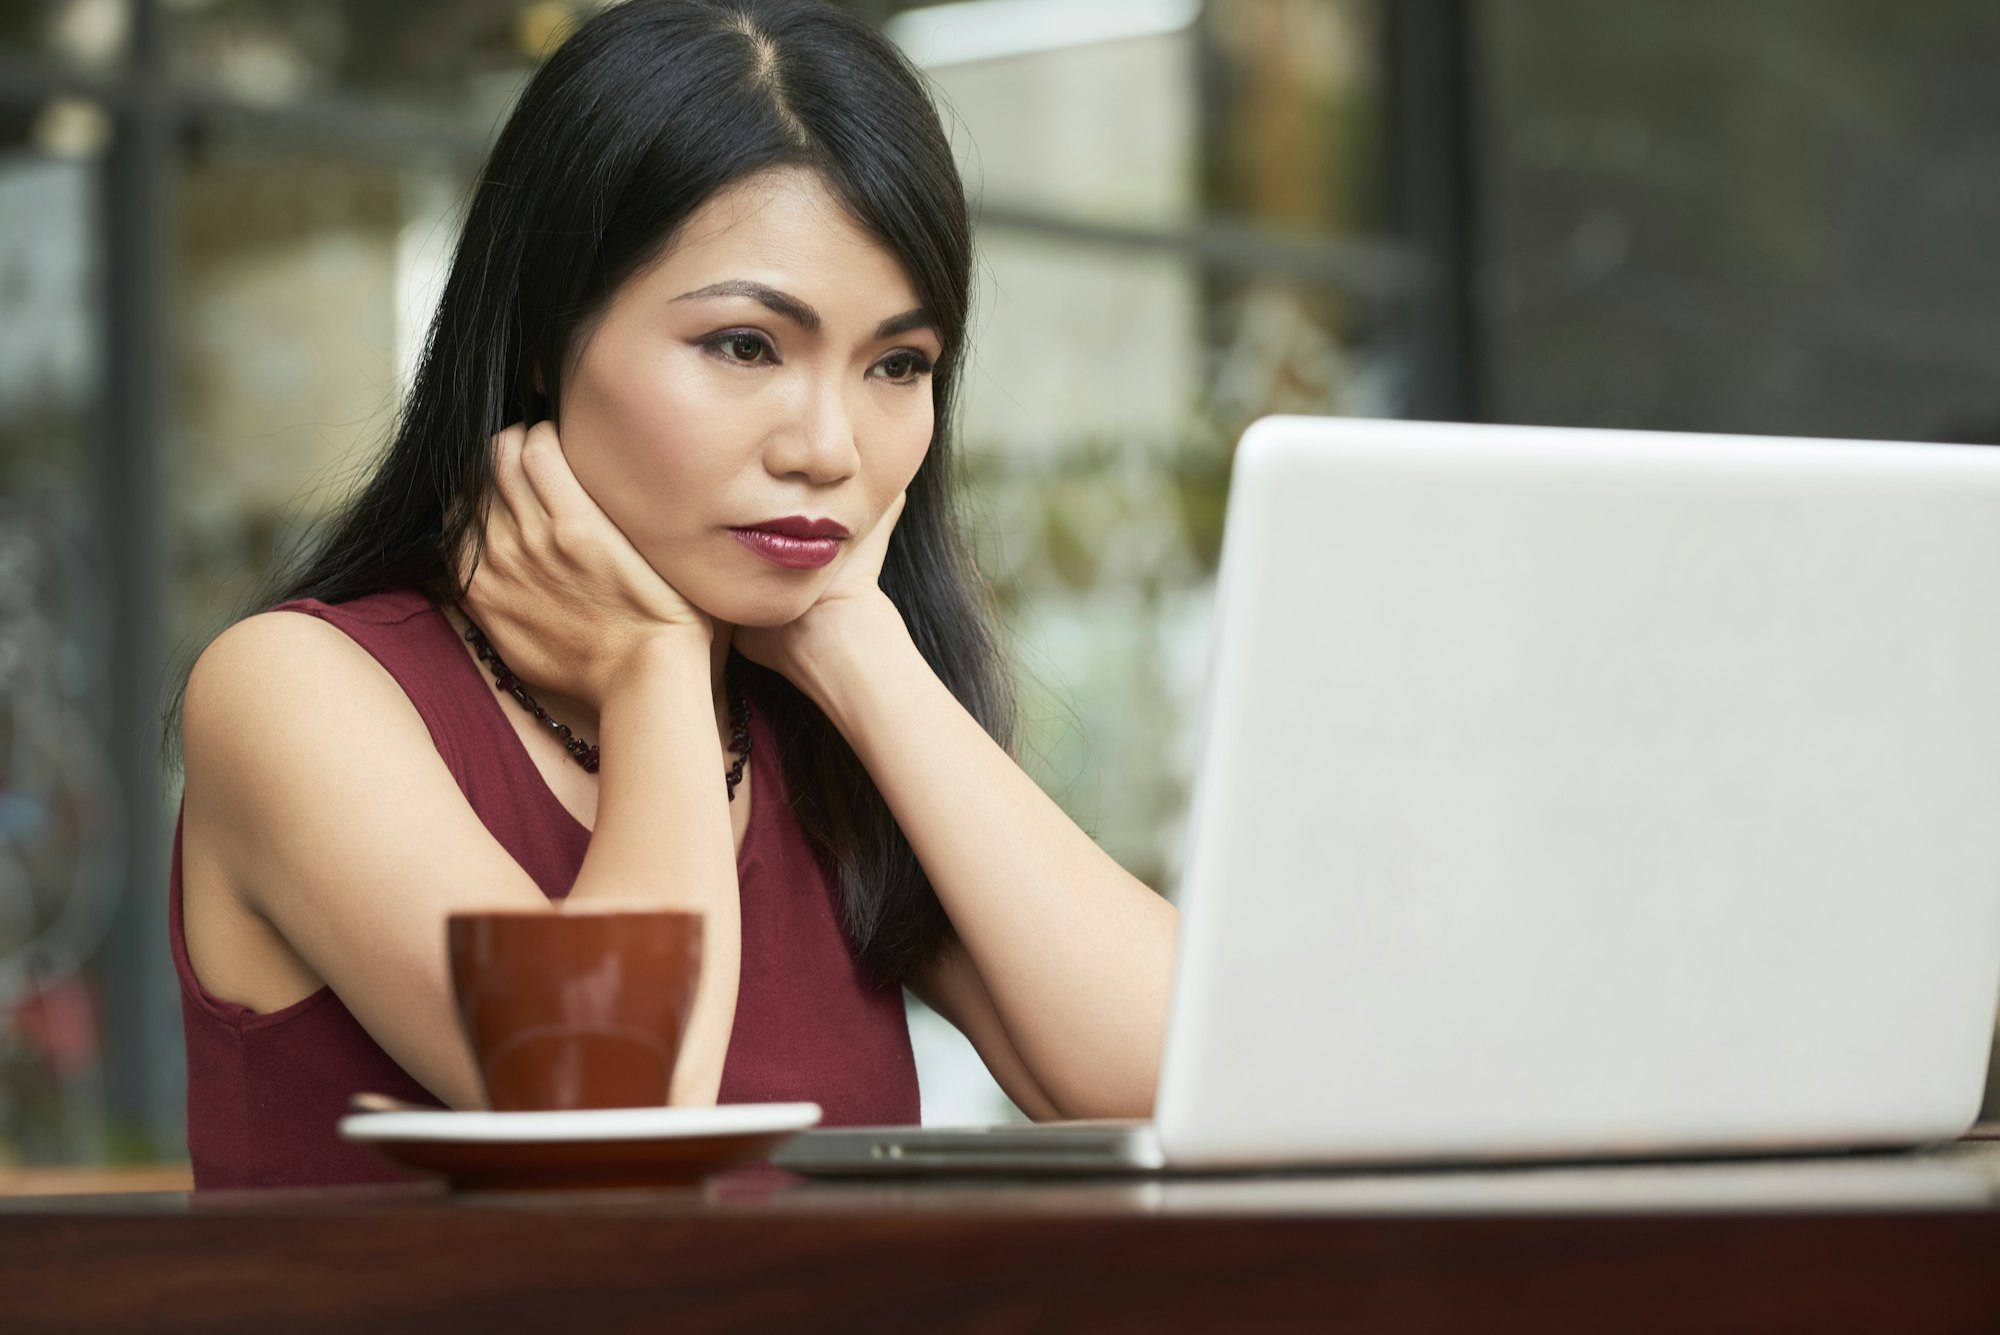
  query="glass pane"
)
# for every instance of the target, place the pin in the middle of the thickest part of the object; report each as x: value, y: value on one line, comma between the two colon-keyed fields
x: 1165, y: 190
x: 1054, y: 111
x: 89, y: 36
x: 460, y: 58
x: 1294, y: 135
x: 59, y: 807
x: 302, y: 290
x: 1158, y: 111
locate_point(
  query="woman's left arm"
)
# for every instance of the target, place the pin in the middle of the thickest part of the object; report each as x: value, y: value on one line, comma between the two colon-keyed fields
x: 1070, y: 957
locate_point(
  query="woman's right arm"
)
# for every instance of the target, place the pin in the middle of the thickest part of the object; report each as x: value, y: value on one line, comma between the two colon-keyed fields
x: 318, y: 806
x: 317, y: 803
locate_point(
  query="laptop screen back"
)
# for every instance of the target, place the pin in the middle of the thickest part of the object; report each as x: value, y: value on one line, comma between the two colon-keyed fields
x: 1576, y: 792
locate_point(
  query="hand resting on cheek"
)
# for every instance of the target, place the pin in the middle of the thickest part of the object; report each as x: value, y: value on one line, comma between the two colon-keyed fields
x: 853, y: 596
x: 570, y: 603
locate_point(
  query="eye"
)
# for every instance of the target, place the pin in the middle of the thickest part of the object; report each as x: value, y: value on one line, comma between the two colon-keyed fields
x: 904, y: 366
x: 740, y: 347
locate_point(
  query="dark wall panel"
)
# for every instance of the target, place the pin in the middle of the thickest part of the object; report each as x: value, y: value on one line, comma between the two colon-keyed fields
x: 1739, y: 215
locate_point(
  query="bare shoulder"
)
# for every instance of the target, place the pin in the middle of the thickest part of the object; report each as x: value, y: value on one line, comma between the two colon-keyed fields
x: 286, y: 719
x: 282, y: 677
x: 263, y: 657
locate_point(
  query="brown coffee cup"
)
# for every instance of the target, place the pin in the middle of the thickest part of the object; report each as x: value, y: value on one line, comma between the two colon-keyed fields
x: 573, y: 1007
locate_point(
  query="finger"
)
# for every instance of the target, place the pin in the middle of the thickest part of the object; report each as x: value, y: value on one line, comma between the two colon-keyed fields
x: 466, y: 562
x: 489, y: 549
x: 536, y: 443
x: 495, y: 509
x: 875, y: 547
x: 508, y: 484
x: 546, y: 471
x: 574, y: 516
x: 474, y: 574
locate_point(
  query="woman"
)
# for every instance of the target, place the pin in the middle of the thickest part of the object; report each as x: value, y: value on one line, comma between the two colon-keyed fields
x: 673, y: 481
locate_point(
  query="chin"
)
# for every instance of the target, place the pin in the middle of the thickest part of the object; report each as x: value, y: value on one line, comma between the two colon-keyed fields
x: 762, y: 609
x: 725, y: 592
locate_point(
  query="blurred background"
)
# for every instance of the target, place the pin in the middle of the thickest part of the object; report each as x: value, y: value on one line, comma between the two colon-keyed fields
x: 222, y: 223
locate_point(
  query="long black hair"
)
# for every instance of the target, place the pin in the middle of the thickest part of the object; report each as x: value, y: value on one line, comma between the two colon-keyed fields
x: 638, y: 118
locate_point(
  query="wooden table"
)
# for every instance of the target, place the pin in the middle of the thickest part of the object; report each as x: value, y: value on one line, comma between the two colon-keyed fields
x: 1868, y: 1243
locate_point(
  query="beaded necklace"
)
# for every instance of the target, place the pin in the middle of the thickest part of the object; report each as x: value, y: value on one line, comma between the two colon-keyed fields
x: 586, y: 754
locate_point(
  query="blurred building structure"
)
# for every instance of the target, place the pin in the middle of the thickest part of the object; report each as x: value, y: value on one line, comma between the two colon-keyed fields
x: 222, y: 223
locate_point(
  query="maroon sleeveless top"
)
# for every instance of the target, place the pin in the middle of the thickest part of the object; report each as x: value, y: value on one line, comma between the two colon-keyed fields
x: 266, y: 1089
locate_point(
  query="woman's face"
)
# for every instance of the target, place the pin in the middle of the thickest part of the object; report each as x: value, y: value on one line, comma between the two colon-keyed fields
x: 774, y: 365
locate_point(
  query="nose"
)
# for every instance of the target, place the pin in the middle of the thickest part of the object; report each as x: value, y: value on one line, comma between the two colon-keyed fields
x: 818, y: 444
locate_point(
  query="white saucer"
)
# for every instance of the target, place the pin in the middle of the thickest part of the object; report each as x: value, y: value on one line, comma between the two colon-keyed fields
x: 728, y: 1119
x: 594, y: 1148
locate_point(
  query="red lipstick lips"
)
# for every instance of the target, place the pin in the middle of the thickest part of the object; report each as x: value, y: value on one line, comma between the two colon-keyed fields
x: 795, y: 542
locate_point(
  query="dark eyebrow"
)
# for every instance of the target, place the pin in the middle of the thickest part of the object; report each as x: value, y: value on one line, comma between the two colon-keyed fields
x: 800, y: 314
x: 907, y: 322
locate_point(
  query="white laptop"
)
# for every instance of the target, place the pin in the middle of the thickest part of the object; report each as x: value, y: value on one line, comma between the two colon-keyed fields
x: 1573, y: 794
